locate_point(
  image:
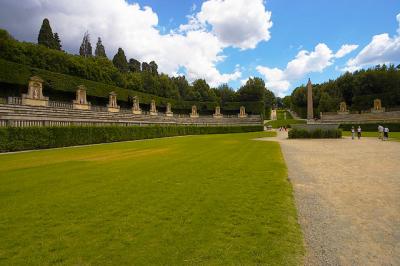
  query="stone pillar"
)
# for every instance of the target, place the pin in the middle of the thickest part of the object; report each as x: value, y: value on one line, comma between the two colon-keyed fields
x: 153, y: 109
x: 194, y: 113
x: 217, y: 113
x: 35, y: 97
x: 136, y: 107
x: 310, y: 108
x: 169, y: 112
x: 80, y: 102
x: 112, y: 105
x: 242, y: 112
x: 377, y: 107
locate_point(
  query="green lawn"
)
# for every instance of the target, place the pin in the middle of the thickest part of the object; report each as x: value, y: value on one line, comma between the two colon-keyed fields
x: 205, y: 200
x: 392, y: 135
x: 280, y: 115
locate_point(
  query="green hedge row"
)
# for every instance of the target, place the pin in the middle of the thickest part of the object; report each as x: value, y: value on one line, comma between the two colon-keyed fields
x: 29, y: 138
x: 315, y: 134
x: 393, y: 127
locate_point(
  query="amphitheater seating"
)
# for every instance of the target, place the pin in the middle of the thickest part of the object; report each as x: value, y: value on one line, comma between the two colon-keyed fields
x: 21, y: 115
x: 361, y: 118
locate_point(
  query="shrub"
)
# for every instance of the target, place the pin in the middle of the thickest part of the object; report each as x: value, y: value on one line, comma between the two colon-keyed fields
x: 28, y: 138
x: 315, y: 134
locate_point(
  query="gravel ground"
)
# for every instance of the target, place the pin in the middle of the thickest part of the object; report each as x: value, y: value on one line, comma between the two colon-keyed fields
x: 347, y: 194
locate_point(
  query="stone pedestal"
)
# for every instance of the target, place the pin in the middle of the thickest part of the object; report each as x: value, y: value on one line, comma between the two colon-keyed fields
x: 217, y: 113
x: 169, y: 112
x: 242, y: 112
x: 80, y: 103
x: 194, y: 113
x: 112, y: 105
x: 153, y: 109
x: 136, y: 107
x: 35, y: 97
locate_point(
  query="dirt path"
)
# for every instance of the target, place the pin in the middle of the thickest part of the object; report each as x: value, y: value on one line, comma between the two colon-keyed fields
x: 348, y: 197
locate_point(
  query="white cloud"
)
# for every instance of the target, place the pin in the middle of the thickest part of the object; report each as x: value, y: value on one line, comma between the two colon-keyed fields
x: 197, y: 48
x: 240, y: 23
x: 345, y: 49
x: 279, y: 81
x: 381, y: 49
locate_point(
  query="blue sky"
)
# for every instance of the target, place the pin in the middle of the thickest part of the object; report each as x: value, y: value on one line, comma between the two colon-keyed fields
x: 298, y: 25
x: 216, y: 45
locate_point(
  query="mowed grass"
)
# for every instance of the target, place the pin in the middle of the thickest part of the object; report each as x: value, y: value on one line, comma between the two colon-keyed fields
x: 395, y: 136
x: 205, y: 200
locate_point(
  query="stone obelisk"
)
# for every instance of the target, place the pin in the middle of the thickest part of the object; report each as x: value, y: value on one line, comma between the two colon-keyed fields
x: 310, y: 112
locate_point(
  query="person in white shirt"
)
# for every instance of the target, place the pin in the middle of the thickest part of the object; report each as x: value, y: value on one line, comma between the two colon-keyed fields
x: 380, y: 131
x: 359, y: 132
x: 386, y: 133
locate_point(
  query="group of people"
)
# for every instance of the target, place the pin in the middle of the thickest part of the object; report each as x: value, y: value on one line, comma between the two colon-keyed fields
x: 284, y: 128
x: 353, y: 132
x: 383, y: 132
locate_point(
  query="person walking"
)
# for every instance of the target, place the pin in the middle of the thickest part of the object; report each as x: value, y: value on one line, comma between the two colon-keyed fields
x: 380, y: 132
x: 353, y: 132
x: 386, y: 133
x: 359, y: 132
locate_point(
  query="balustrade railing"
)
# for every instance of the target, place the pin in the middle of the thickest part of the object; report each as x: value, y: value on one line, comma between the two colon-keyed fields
x: 14, y: 100
x: 64, y: 105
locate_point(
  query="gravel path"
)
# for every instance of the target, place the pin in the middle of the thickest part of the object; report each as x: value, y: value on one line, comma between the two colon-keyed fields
x: 348, y: 199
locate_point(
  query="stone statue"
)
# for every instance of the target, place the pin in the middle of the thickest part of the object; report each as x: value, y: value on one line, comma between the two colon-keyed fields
x: 169, y: 111
x: 377, y: 106
x: 112, y: 105
x: 343, y: 108
x: 242, y: 112
x: 194, y: 113
x: 153, y: 109
x: 35, y: 96
x: 136, y: 106
x: 80, y: 102
x: 217, y: 113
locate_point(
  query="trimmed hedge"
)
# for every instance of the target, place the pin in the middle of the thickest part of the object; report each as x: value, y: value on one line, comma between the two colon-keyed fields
x: 29, y: 138
x: 315, y: 134
x: 372, y: 127
x: 282, y: 123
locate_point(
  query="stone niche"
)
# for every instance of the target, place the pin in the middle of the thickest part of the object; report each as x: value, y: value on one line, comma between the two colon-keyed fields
x: 343, y: 109
x: 153, y: 108
x: 194, y: 113
x: 35, y: 97
x: 80, y: 103
x: 217, y: 113
x: 112, y: 105
x: 242, y: 112
x: 136, y: 107
x: 377, y: 107
x: 169, y: 111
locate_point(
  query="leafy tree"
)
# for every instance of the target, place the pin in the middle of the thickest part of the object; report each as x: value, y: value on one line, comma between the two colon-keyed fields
x: 86, y: 47
x: 46, y: 37
x: 153, y: 67
x: 225, y: 93
x: 120, y: 62
x: 146, y: 67
x: 287, y: 102
x: 134, y: 65
x: 253, y: 90
x: 100, y: 51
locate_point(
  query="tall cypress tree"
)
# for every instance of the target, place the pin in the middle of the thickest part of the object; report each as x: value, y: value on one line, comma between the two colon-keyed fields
x: 119, y: 60
x: 57, y: 42
x: 100, y: 51
x: 46, y: 36
x: 86, y: 47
